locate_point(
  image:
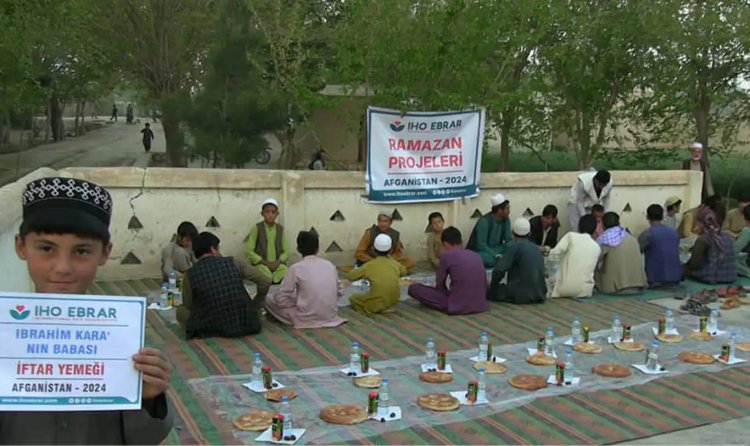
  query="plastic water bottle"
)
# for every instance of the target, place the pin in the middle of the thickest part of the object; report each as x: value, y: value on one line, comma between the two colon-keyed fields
x: 354, y: 357
x: 163, y: 297
x: 653, y: 358
x: 569, y: 371
x: 713, y: 321
x: 383, y: 398
x: 257, y: 369
x: 484, y: 342
x: 575, y: 331
x: 549, y: 342
x: 616, y: 329
x: 430, y: 356
x: 172, y: 280
x: 285, y: 409
x: 732, y: 344
x: 481, y: 386
x: 669, y: 321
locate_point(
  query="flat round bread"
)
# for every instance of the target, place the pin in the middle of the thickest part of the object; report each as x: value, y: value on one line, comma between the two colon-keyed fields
x: 491, y: 368
x: 275, y: 395
x: 669, y: 338
x: 587, y: 347
x: 743, y: 346
x: 629, y: 346
x: 255, y: 420
x: 696, y: 358
x: 700, y: 335
x: 439, y: 402
x: 611, y: 370
x: 436, y: 377
x: 343, y: 414
x: 528, y: 382
x: 540, y: 359
x: 368, y: 382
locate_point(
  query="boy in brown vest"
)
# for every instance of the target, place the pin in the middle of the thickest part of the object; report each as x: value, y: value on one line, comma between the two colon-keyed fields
x: 267, y: 248
x: 366, y: 248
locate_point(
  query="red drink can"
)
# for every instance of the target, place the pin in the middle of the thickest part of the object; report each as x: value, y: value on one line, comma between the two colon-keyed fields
x: 441, y: 360
x: 560, y: 373
x: 662, y: 326
x: 277, y: 427
x: 267, y: 377
x: 625, y: 332
x: 372, y: 403
x: 724, y: 353
x: 540, y: 344
x: 364, y: 362
x: 473, y: 391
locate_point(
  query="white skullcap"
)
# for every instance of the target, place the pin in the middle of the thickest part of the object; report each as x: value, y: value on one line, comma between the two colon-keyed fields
x: 696, y: 145
x: 498, y: 199
x: 270, y: 201
x: 383, y: 243
x: 521, y: 227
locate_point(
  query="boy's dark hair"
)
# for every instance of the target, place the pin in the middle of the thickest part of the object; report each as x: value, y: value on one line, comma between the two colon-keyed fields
x: 597, y: 208
x: 434, y: 215
x: 603, y: 177
x: 587, y: 224
x: 451, y: 235
x: 204, y: 242
x: 76, y: 227
x: 746, y: 213
x: 187, y: 229
x: 148, y: 125
x: 711, y: 202
x: 610, y: 220
x: 676, y: 205
x: 549, y: 211
x: 655, y: 213
x: 744, y: 197
x: 307, y: 243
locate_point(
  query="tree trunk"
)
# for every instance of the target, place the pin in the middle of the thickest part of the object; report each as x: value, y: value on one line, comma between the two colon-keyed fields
x: 505, y: 128
x: 173, y: 135
x: 4, y: 129
x: 82, y: 129
x: 55, y: 117
x: 78, y: 113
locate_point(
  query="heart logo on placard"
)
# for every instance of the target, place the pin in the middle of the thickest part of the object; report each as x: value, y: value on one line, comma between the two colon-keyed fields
x: 19, y: 313
x: 20, y: 308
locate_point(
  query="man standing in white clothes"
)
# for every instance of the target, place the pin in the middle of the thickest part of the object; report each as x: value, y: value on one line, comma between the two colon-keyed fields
x: 590, y: 188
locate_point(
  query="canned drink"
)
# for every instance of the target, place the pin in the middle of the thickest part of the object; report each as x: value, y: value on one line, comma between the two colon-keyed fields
x: 170, y: 299
x: 277, y: 427
x: 364, y: 362
x: 441, y: 360
x: 662, y: 325
x: 725, y: 353
x: 586, y: 332
x: 703, y: 324
x: 489, y: 351
x: 625, y: 332
x: 179, y: 283
x: 267, y: 377
x: 560, y: 373
x: 473, y: 391
x: 540, y: 344
x: 372, y: 403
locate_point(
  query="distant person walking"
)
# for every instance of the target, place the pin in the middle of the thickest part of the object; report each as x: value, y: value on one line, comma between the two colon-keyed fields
x: 129, y: 114
x: 114, y: 113
x: 148, y: 136
x: 318, y: 161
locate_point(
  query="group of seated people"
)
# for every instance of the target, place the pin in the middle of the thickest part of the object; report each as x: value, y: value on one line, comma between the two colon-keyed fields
x: 601, y: 254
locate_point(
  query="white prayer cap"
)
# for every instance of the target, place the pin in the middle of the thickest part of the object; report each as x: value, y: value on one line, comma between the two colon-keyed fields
x: 385, y: 213
x: 696, y: 145
x: 270, y: 201
x: 521, y: 227
x: 498, y: 199
x: 383, y: 243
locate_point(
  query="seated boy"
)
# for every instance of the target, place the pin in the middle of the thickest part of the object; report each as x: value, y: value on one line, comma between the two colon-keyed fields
x: 64, y: 237
x: 491, y: 235
x: 735, y: 220
x: 215, y: 300
x: 597, y: 211
x: 434, y: 243
x: 742, y: 246
x: 620, y: 268
x: 712, y: 256
x: 309, y: 293
x: 578, y: 254
x: 672, y: 215
x: 468, y: 282
x: 544, y: 228
x: 366, y: 250
x: 660, y: 245
x: 524, y: 264
x: 267, y: 248
x: 178, y: 255
x: 383, y: 273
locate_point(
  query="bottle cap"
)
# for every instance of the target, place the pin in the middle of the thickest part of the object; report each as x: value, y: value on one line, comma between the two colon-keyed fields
x: 484, y: 333
x: 256, y: 355
x: 481, y: 370
x: 384, y: 381
x: 655, y: 343
x: 569, y: 348
x: 284, y: 399
x: 429, y: 339
x: 355, y: 344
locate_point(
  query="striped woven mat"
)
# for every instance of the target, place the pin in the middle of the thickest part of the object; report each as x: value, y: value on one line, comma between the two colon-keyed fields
x: 593, y: 418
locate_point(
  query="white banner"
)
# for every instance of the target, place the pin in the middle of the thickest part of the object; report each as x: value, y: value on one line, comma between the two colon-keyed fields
x: 423, y: 156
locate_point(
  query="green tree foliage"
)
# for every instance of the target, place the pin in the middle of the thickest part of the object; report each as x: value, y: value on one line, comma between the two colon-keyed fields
x: 228, y: 116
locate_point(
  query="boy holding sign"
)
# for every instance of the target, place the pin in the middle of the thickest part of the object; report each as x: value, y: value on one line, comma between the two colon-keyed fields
x: 64, y: 237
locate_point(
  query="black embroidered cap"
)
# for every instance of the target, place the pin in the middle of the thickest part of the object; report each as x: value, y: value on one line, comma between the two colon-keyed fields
x: 67, y: 198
